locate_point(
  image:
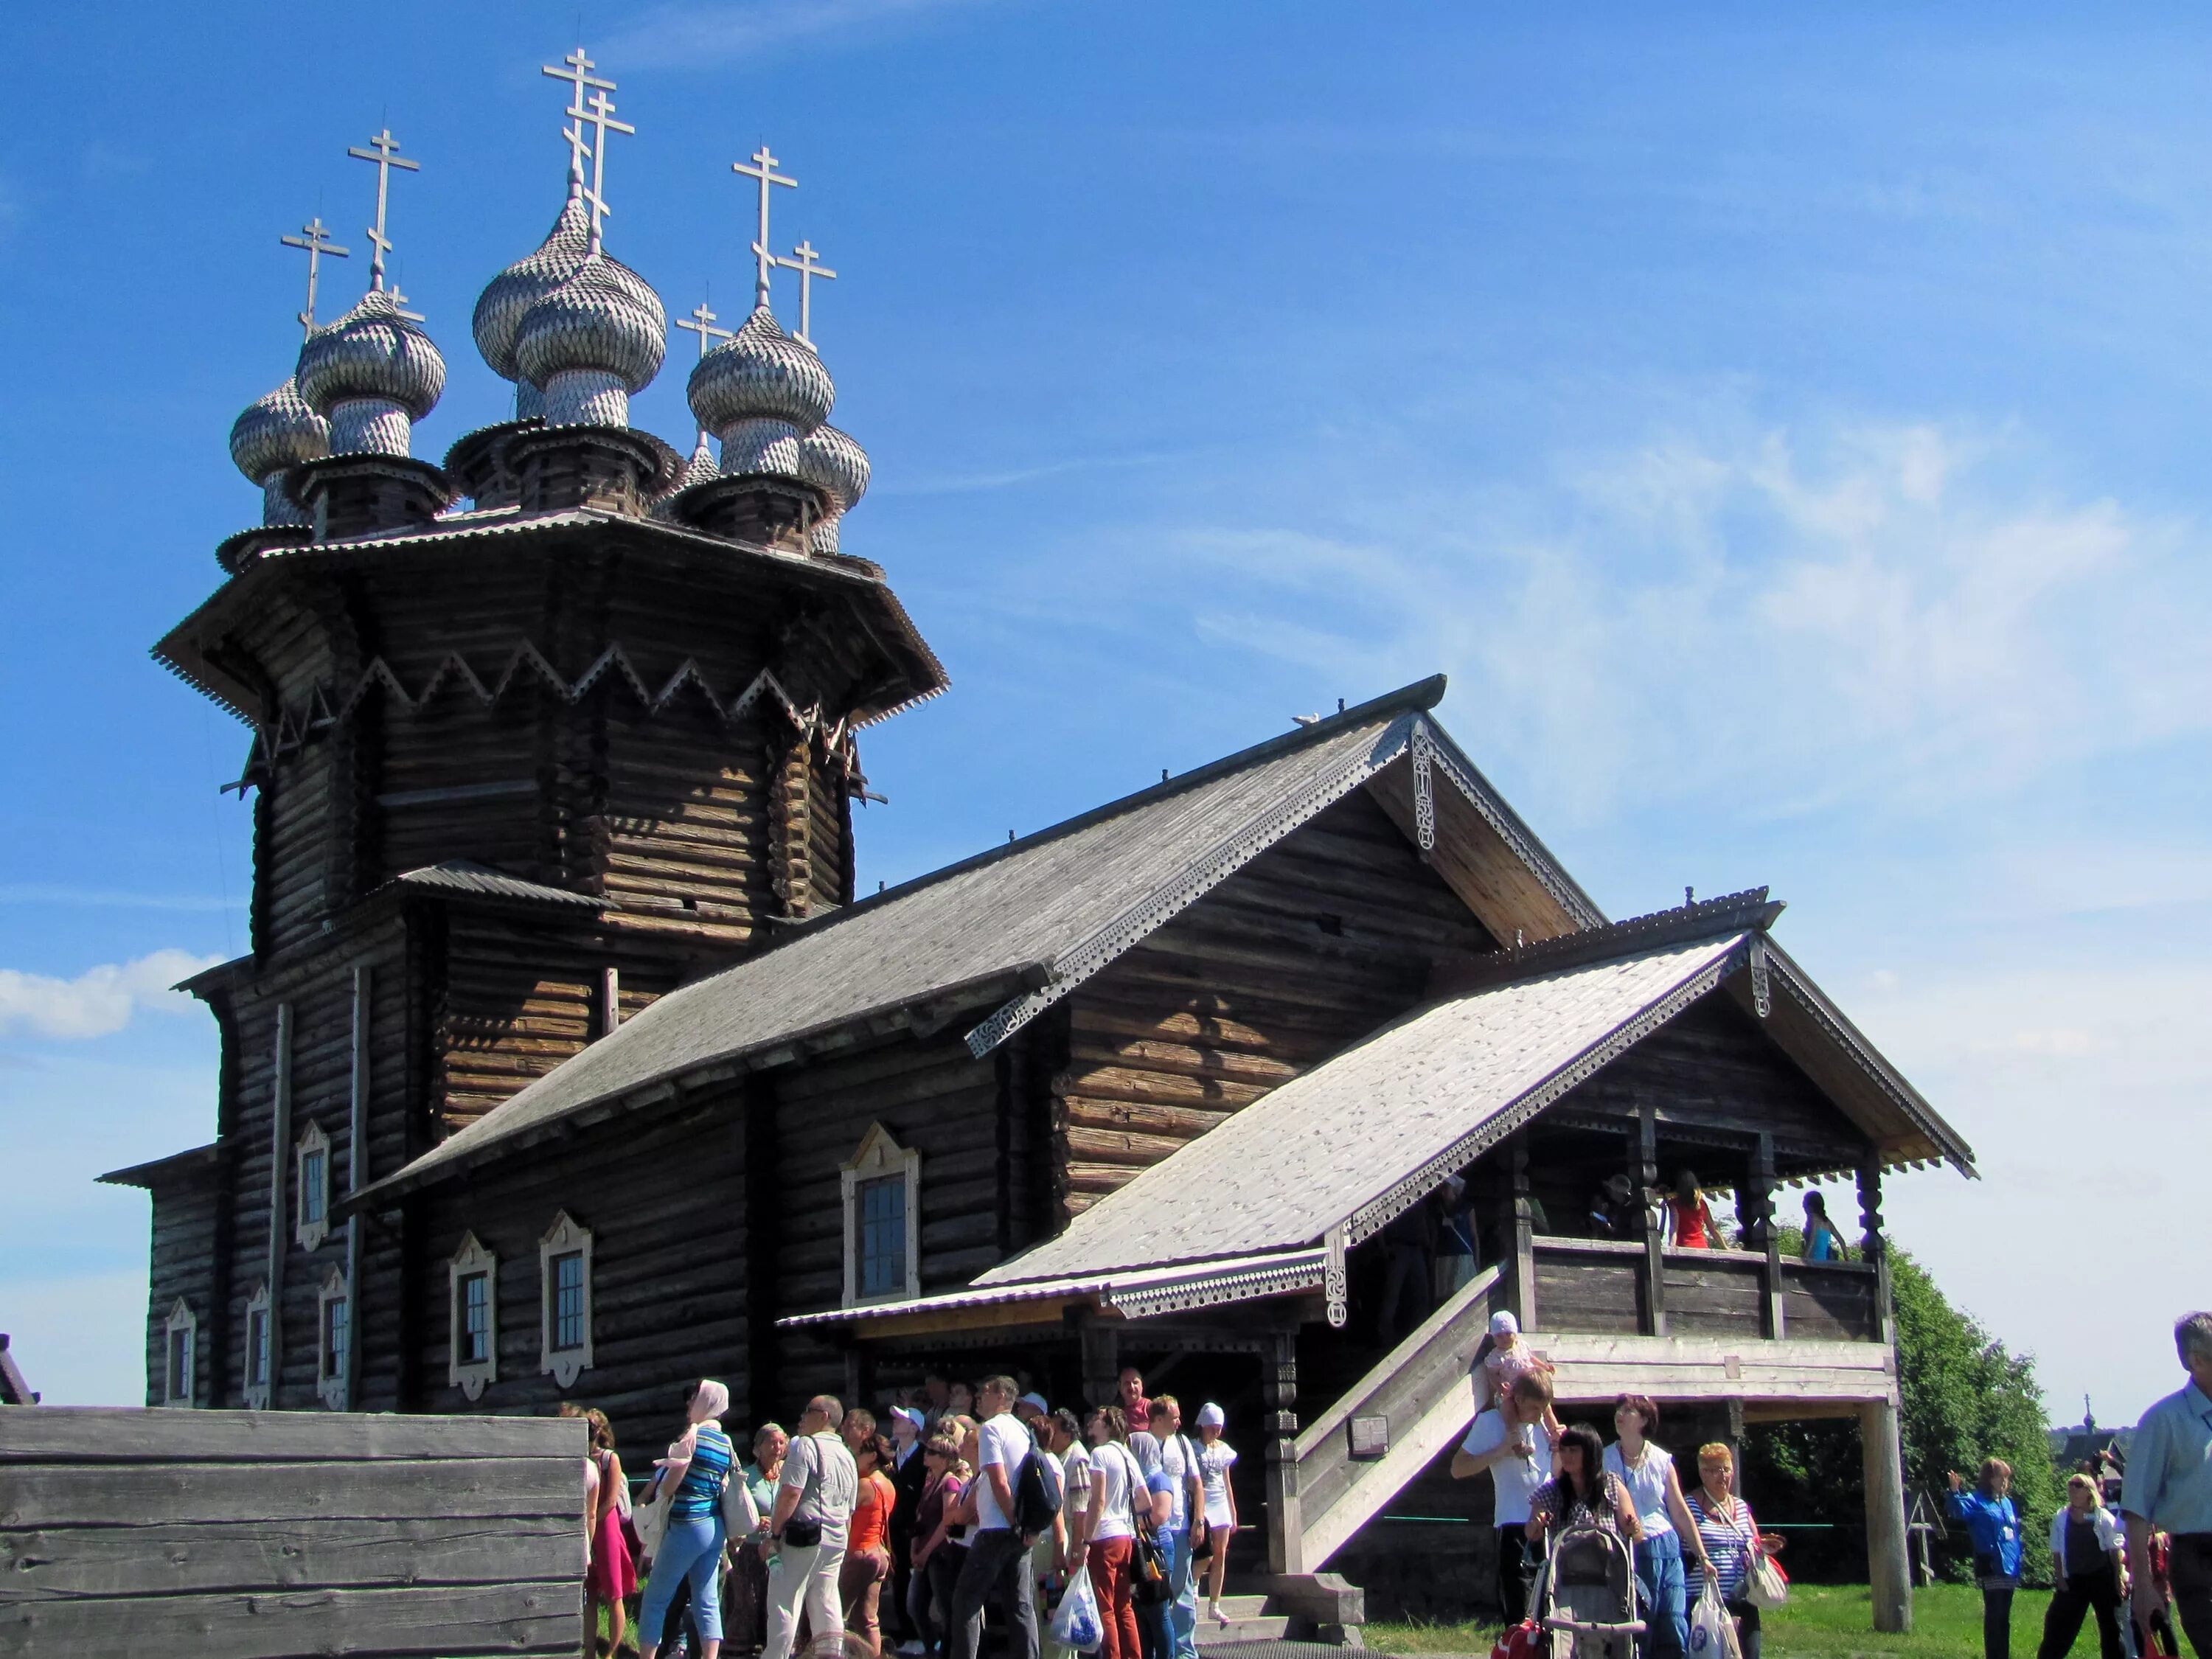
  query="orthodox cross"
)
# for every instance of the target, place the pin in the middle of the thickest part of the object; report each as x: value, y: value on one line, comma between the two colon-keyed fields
x: 399, y: 306
x: 764, y: 170
x: 580, y: 72
x: 702, y: 324
x: 383, y: 153
x: 803, y: 261
x: 602, y: 118
x: 315, y: 237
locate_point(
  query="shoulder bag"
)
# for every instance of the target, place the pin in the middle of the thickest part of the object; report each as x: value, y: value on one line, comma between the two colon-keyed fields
x: 798, y: 1534
x: 1148, y: 1563
x: 649, y: 1520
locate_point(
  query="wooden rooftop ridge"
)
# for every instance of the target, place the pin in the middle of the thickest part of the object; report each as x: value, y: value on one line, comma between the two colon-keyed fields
x: 1000, y: 937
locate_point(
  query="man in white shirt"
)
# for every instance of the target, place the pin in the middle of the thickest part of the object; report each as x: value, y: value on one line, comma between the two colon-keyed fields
x: 998, y: 1566
x: 813, y: 1511
x: 1179, y: 1514
x: 1509, y: 1444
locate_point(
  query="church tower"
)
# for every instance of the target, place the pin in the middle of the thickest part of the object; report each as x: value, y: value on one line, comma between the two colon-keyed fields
x: 536, y: 732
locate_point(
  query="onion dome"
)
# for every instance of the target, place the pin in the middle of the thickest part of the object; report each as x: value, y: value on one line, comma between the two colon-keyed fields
x: 760, y: 379
x: 696, y: 471
x: 372, y: 374
x: 276, y: 433
x: 831, y: 461
x: 592, y: 341
x: 508, y: 296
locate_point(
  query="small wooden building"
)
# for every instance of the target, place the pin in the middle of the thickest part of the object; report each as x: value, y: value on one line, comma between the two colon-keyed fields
x: 568, y: 1062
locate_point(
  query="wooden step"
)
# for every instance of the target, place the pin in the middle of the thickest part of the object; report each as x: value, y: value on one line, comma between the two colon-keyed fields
x: 1270, y: 1627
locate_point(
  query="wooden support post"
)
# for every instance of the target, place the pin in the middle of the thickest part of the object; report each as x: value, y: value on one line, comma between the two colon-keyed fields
x: 1279, y: 1395
x: 1654, y: 1310
x: 1888, y: 1570
x: 280, y: 1171
x: 357, y: 1176
x: 1521, y: 1280
x: 609, y: 1000
x: 1874, y: 1247
x: 1759, y: 1192
x: 1101, y: 1346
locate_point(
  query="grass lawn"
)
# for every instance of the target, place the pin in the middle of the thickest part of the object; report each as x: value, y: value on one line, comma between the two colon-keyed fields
x: 1822, y: 1621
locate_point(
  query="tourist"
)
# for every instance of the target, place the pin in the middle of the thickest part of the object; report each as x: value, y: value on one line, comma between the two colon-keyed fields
x: 1216, y: 1456
x: 867, y: 1562
x: 1502, y: 1359
x: 961, y: 1402
x: 610, y: 1574
x: 1179, y: 1521
x: 1409, y: 1252
x: 1692, y: 1217
x: 1055, y: 1556
x: 936, y: 1395
x: 1130, y: 1393
x: 2089, y: 1568
x: 1030, y: 1409
x: 938, y: 1552
x: 997, y: 1568
x: 1647, y: 1470
x: 696, y: 1470
x: 1614, y: 1211
x: 1582, y: 1492
x: 1106, y: 1541
x: 1730, y: 1536
x: 1455, y: 1263
x: 744, y: 1592
x: 1822, y: 1242
x: 1508, y: 1443
x: 1992, y: 1525
x: 858, y: 1429
x: 909, y: 1475
x: 1155, y: 1630
x: 808, y: 1527
x: 2169, y: 1489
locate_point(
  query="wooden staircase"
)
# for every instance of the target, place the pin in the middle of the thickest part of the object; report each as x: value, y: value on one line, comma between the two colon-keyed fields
x: 1420, y: 1389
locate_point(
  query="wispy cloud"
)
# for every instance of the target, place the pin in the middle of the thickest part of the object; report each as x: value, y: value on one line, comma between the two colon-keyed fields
x: 105, y: 898
x: 957, y: 484
x: 692, y: 35
x: 99, y: 1001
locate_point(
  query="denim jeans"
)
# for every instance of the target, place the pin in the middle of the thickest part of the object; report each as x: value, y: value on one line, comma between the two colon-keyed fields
x: 1665, y: 1594
x: 1182, y: 1607
x: 692, y: 1550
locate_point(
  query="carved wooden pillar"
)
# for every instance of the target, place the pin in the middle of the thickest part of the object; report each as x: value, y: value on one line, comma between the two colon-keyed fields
x: 1876, y: 1248
x: 1279, y: 1396
x: 1521, y: 1277
x: 1759, y: 1215
x: 1655, y: 1229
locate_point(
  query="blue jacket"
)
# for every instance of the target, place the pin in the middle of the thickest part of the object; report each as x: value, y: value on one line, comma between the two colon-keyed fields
x: 1992, y: 1525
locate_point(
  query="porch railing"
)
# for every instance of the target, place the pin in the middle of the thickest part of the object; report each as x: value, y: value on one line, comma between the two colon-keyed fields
x: 1604, y: 1285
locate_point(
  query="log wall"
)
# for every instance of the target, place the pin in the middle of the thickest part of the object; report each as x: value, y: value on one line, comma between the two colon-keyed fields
x: 251, y: 1535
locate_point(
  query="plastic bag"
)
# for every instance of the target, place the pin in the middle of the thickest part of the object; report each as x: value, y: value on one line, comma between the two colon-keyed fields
x: 1712, y: 1632
x: 1076, y: 1624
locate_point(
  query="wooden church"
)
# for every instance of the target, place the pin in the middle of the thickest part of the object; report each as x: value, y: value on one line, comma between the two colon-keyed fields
x: 568, y: 1063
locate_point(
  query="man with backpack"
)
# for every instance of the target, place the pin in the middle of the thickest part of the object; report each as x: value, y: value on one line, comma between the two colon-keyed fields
x: 1013, y: 1503
x: 1179, y: 1516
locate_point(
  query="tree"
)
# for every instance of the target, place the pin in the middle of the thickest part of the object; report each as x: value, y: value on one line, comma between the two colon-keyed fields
x: 1963, y: 1397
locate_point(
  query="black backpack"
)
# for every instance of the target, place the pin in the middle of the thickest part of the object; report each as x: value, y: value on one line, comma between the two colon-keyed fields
x: 1035, y: 1504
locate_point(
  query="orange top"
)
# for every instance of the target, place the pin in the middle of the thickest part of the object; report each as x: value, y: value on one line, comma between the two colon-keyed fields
x: 871, y: 1512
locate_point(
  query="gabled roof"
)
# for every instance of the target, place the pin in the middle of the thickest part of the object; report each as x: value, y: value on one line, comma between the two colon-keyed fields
x: 1017, y: 926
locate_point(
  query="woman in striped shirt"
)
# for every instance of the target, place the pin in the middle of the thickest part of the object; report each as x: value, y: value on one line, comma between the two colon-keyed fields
x: 1730, y: 1536
x: 698, y: 1467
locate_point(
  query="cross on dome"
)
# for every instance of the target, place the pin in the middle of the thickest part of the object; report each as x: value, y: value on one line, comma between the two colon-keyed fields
x: 601, y: 115
x: 764, y: 170
x: 702, y: 323
x: 580, y: 73
x: 803, y: 261
x: 314, y: 238
x: 383, y: 153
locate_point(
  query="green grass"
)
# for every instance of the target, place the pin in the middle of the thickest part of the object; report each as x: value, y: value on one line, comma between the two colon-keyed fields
x: 1822, y: 1621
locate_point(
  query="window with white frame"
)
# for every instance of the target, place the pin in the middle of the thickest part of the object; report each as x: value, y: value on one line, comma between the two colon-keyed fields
x: 473, y: 1318
x: 312, y: 1160
x: 334, y: 1339
x: 564, y: 1265
x: 881, y: 1185
x: 180, y: 1339
x: 257, y: 1357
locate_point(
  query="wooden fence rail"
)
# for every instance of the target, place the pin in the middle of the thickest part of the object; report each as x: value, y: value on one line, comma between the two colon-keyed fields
x: 268, y: 1534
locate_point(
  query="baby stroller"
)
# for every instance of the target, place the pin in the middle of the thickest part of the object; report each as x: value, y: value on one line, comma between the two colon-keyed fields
x: 1586, y: 1594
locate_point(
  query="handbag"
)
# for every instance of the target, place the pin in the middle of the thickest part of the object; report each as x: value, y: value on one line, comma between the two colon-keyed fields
x: 740, y: 1515
x: 1765, y: 1585
x: 1148, y: 1563
x: 649, y: 1521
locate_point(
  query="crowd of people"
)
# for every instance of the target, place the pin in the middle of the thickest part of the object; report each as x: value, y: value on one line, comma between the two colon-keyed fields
x: 901, y: 1535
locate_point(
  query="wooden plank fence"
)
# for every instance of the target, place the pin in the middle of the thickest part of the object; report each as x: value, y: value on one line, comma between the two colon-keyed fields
x: 270, y: 1535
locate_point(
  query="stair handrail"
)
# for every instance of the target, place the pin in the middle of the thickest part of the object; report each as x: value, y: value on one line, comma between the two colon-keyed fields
x: 1316, y: 1432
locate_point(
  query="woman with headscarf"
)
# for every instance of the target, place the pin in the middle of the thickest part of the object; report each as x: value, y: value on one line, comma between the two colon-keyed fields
x: 695, y: 1472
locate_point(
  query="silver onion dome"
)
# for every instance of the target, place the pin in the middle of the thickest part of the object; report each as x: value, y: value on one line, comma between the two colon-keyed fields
x: 371, y: 374
x: 760, y: 374
x: 696, y: 471
x: 508, y: 296
x: 834, y: 463
x: 273, y: 434
x: 592, y: 342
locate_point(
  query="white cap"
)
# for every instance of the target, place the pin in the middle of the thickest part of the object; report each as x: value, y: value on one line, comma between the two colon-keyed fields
x: 1503, y: 1324
x: 1211, y: 1416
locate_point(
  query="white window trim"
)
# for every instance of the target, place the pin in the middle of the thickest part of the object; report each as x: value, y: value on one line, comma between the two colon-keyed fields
x: 565, y: 1364
x: 879, y: 1155
x: 181, y: 1318
x: 257, y: 1393
x: 471, y: 1379
x: 310, y: 1234
x: 331, y: 1380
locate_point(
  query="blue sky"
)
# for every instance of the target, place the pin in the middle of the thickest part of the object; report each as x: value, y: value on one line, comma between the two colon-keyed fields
x: 1789, y: 431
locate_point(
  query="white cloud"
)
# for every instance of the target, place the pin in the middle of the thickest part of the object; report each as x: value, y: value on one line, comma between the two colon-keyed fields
x: 100, y: 1000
